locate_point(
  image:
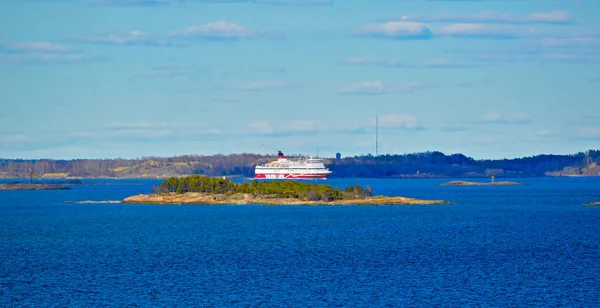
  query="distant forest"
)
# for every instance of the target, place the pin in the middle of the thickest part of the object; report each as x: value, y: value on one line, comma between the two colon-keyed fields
x: 417, y: 165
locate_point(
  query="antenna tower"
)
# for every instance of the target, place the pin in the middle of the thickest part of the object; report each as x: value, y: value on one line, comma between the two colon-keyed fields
x: 376, y: 135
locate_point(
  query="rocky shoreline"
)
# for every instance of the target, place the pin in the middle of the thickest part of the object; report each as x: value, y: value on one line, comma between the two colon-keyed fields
x: 467, y: 183
x: 204, y: 198
x: 36, y: 186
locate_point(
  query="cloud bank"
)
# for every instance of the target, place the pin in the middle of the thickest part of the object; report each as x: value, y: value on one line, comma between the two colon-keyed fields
x: 214, y: 31
x: 387, y: 122
x: 38, y: 52
x: 487, y: 24
x: 261, y: 86
x: 377, y: 87
x: 497, y: 118
x: 553, y: 17
x: 395, y: 63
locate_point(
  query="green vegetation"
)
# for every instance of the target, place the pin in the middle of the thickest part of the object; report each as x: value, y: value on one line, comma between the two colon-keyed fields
x: 264, y: 189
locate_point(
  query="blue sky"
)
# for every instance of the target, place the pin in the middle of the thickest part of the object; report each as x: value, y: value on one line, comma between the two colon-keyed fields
x: 134, y: 78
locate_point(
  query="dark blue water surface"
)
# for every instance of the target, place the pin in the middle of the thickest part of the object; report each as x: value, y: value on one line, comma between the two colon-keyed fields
x: 495, y: 246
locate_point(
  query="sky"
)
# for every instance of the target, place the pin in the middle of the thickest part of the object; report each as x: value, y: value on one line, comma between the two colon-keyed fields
x: 138, y: 78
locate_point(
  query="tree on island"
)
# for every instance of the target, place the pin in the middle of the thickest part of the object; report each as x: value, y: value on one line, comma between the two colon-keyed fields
x: 264, y: 189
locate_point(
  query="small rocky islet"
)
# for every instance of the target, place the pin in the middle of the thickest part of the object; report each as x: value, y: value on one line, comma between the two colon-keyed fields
x: 467, y: 183
x: 204, y: 190
x: 593, y: 203
x: 33, y: 186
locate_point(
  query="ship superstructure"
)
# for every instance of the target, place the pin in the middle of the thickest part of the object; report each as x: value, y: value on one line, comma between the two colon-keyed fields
x: 283, y: 168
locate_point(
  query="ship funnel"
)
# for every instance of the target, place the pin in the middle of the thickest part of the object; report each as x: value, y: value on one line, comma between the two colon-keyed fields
x: 280, y: 155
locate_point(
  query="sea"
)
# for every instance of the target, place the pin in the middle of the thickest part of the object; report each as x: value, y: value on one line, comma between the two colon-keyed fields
x: 531, y: 245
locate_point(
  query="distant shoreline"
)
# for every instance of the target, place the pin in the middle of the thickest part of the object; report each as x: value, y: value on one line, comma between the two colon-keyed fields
x: 429, y: 164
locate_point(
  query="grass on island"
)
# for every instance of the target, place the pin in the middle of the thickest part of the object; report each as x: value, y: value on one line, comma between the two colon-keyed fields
x: 204, y: 190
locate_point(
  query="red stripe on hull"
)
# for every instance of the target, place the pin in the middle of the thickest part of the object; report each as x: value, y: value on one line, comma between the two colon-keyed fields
x: 291, y: 176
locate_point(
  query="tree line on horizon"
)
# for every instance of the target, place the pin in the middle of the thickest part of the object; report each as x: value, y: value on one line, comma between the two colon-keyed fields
x: 425, y: 164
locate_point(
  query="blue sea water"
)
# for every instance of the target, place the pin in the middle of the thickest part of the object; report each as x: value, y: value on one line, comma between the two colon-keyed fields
x: 532, y: 245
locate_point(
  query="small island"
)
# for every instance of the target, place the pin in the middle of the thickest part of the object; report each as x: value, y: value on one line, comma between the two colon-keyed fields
x: 33, y: 186
x: 467, y: 183
x: 593, y: 204
x: 204, y: 190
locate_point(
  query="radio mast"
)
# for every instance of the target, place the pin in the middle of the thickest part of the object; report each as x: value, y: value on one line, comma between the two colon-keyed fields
x: 376, y: 135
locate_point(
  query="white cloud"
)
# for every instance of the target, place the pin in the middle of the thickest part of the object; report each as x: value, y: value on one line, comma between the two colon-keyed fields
x: 42, y: 58
x: 302, y: 126
x: 404, y: 121
x: 549, y: 17
x: 45, y: 47
x: 389, y: 122
x: 38, y: 52
x: 166, y: 71
x: 378, y: 87
x: 498, y: 118
x: 218, y: 29
x: 126, y: 38
x: 456, y: 127
x: 272, y: 2
x: 544, y: 136
x: 299, y: 127
x: 262, y: 86
x: 149, y: 130
x: 529, y: 54
x: 397, y: 29
x: 364, y: 61
x: 261, y: 127
x: 222, y: 30
x: 434, y: 63
x: 493, y: 17
x: 130, y: 2
x: 417, y: 30
x: 440, y: 63
x: 415, y: 27
x: 143, y: 133
x: 589, y: 133
x: 567, y: 42
x: 481, y: 30
x: 377, y: 62
x: 228, y: 99
x: 152, y: 125
x: 297, y: 2
x: 15, y: 138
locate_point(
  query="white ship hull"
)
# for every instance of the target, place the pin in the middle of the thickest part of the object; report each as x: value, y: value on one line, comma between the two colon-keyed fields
x: 287, y: 169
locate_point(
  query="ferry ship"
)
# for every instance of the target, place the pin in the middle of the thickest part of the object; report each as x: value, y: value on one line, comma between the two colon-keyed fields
x: 282, y: 168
